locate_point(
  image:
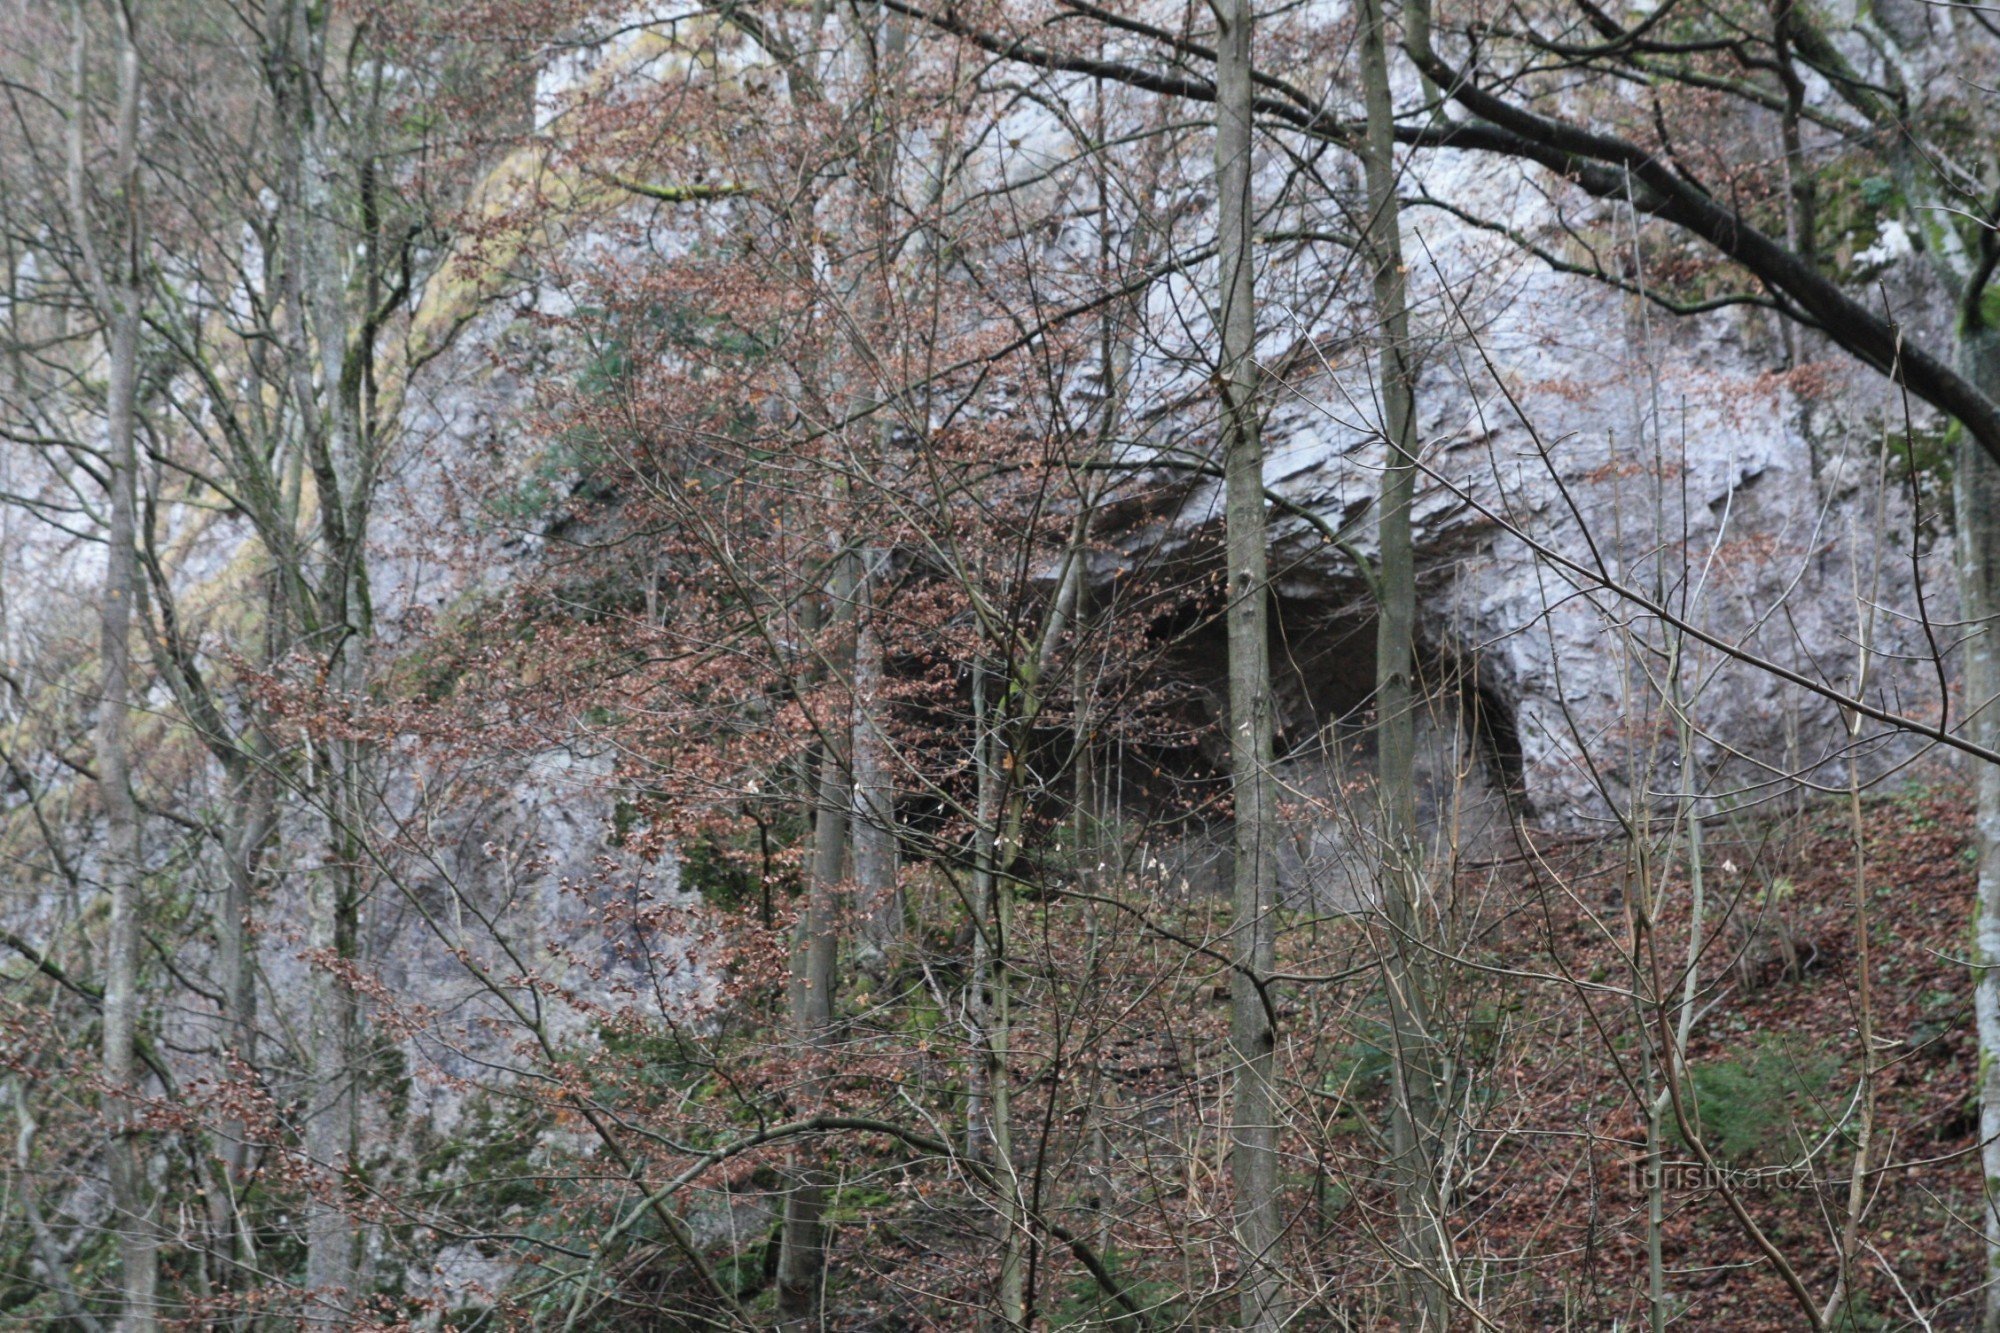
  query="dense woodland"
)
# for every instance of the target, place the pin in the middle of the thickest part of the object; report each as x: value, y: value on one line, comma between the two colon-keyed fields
x: 1000, y: 664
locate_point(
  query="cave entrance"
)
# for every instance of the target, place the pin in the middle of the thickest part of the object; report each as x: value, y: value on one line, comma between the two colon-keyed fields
x: 1469, y: 762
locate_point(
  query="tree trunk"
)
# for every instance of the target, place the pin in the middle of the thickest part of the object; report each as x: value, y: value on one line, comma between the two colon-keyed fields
x: 116, y: 285
x: 1413, y: 1135
x: 881, y: 902
x: 131, y: 1194
x: 988, y: 1128
x: 334, y: 611
x: 1253, y: 1130
x: 252, y: 823
x: 333, y: 1120
x: 815, y: 945
x: 1977, y: 487
x: 874, y: 834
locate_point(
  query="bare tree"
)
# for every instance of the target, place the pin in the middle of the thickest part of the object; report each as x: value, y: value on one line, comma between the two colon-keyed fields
x: 114, y: 262
x: 1253, y: 1035
x: 1414, y: 1133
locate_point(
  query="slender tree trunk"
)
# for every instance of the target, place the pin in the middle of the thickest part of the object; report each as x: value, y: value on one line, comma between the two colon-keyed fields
x: 1657, y: 1313
x: 1253, y: 1129
x: 46, y: 1250
x: 336, y: 610
x: 1413, y: 1129
x: 815, y: 949
x: 885, y: 37
x: 881, y: 901
x: 1837, y: 1310
x: 131, y: 1193
x: 115, y: 279
x: 989, y: 1126
x: 1977, y: 481
x: 333, y: 1256
x: 1000, y: 1092
x: 252, y: 823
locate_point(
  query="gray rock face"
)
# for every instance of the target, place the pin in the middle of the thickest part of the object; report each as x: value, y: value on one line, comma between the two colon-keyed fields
x: 1590, y: 465
x: 1589, y: 462
x: 1580, y: 445
x: 1681, y: 464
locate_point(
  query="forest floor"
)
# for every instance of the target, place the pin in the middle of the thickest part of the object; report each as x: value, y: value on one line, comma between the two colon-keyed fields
x: 1550, y: 1202
x: 1773, y: 1061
